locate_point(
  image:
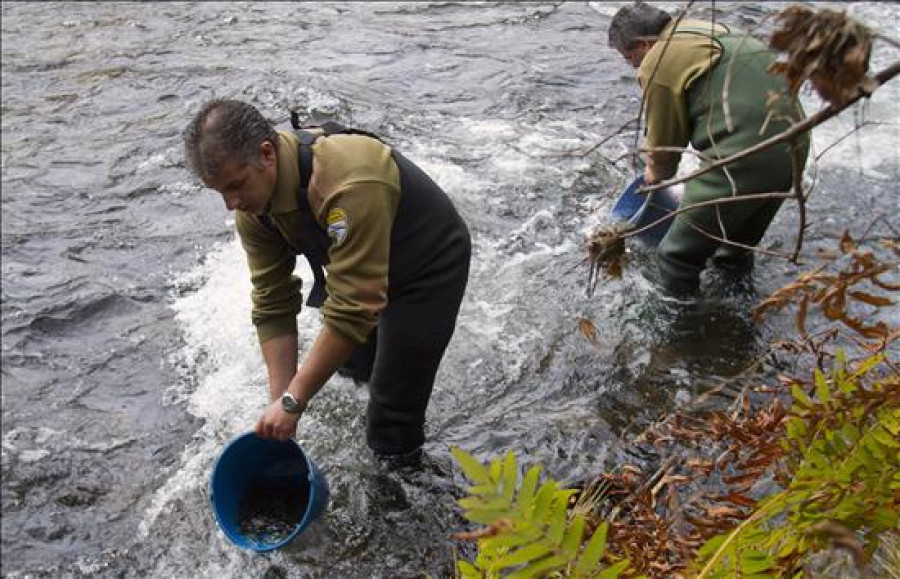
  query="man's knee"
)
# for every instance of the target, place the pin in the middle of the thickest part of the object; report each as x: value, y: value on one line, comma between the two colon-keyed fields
x: 676, y: 277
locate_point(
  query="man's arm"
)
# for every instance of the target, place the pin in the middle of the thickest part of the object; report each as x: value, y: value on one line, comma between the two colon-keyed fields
x: 280, y: 355
x: 330, y: 350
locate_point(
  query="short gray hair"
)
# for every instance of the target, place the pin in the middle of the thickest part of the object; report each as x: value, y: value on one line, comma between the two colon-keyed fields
x: 634, y: 22
x: 223, y: 130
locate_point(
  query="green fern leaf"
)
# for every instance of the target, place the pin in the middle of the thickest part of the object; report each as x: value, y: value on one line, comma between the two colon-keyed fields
x: 526, y: 554
x: 525, y: 500
x: 796, y: 428
x: 711, y: 546
x: 884, y: 437
x: 540, y: 568
x: 755, y: 562
x: 572, y: 539
x: 591, y: 555
x: 495, y: 471
x: 513, y: 538
x: 800, y: 397
x: 840, y: 366
x: 822, y: 392
x: 613, y: 571
x: 471, y: 467
x: 557, y: 518
x: 891, y: 421
x: 542, y: 502
x: 864, y: 368
x: 471, y: 502
x: 510, y: 475
x: 483, y: 490
x: 468, y: 571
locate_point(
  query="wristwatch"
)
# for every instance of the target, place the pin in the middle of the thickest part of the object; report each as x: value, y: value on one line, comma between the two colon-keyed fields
x: 291, y: 405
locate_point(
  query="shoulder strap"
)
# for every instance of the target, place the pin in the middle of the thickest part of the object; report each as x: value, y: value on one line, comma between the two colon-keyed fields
x: 330, y: 127
x: 315, y: 241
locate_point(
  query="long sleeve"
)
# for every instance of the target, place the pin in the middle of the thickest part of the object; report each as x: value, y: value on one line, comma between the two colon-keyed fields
x: 359, y: 219
x: 667, y: 126
x: 276, y: 293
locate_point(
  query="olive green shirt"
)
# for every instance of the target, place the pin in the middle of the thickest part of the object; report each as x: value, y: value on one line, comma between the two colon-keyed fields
x: 666, y: 74
x: 353, y: 194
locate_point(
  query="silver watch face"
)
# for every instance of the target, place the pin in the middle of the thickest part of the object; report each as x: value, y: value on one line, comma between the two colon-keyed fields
x: 290, y: 404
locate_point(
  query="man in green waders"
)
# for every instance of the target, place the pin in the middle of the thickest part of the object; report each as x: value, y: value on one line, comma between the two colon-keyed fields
x: 683, y: 70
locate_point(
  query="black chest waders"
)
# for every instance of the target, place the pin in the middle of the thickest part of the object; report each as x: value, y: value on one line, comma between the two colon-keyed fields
x: 428, y: 271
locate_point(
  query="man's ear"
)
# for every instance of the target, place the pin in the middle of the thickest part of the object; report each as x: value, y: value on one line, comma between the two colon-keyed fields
x: 269, y: 152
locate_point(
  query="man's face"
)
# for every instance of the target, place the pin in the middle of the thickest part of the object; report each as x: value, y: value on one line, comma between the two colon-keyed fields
x: 249, y: 186
x: 635, y: 55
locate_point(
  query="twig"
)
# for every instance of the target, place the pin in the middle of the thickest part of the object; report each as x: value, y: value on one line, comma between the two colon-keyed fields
x: 797, y: 188
x: 887, y: 39
x: 602, y: 142
x: 727, y: 241
x: 694, y: 152
x: 849, y: 133
x: 680, y: 210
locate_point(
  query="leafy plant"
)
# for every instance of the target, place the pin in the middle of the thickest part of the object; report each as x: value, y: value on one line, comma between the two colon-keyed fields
x: 840, y: 478
x: 527, y: 528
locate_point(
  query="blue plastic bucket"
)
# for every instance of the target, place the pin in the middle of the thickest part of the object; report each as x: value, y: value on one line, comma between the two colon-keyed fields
x: 264, y: 493
x: 641, y: 209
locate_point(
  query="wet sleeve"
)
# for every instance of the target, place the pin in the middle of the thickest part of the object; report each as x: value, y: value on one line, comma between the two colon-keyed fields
x: 359, y: 218
x: 276, y: 296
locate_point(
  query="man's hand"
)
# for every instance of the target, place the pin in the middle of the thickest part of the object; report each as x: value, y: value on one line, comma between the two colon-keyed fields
x: 277, y: 424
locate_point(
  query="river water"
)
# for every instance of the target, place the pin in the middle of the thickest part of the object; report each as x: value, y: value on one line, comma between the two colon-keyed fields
x: 128, y: 356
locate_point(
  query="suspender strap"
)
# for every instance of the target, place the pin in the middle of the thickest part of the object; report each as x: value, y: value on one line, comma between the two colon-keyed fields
x: 315, y: 241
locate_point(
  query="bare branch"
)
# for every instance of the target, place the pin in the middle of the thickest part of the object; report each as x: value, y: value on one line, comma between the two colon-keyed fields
x: 889, y: 40
x: 855, y: 129
x: 721, y: 201
x: 797, y: 175
x: 593, y: 148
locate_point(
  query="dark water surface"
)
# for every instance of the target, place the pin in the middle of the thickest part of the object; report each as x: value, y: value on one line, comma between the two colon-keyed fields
x: 128, y: 357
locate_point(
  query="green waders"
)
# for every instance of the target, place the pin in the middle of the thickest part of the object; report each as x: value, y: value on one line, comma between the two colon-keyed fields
x: 685, y: 249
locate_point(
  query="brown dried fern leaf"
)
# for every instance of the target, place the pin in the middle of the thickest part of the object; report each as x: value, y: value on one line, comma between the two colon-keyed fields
x: 826, y: 47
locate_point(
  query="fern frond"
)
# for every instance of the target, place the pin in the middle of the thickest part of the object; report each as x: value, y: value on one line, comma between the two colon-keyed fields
x: 537, y: 536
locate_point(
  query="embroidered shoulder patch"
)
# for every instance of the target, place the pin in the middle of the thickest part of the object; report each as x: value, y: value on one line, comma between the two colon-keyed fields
x: 338, y: 225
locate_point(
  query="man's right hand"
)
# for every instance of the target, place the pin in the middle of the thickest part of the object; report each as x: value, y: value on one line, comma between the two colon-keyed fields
x: 276, y: 424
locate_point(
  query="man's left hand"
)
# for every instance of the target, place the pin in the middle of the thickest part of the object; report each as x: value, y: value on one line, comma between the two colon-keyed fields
x: 276, y: 424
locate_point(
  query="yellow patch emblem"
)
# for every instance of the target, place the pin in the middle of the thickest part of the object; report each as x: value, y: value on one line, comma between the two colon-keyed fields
x: 338, y: 225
